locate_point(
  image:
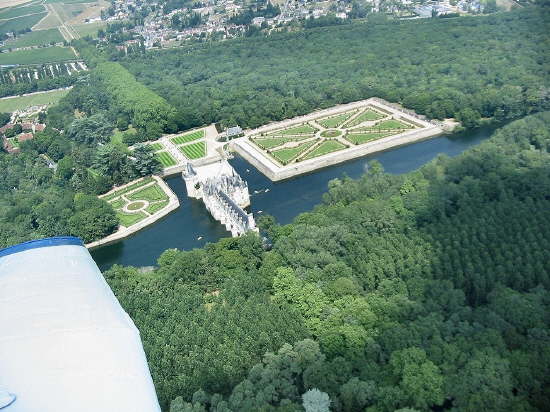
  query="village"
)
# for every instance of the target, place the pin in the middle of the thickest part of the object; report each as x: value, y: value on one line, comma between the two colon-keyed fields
x: 174, y: 22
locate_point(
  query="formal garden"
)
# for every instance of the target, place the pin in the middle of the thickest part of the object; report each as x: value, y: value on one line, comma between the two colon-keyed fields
x: 137, y: 201
x: 329, y: 133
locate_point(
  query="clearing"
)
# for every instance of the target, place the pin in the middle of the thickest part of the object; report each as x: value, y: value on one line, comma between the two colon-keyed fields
x: 10, y: 104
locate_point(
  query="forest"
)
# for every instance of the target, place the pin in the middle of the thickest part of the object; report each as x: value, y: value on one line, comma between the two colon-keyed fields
x: 393, y: 294
x: 470, y: 68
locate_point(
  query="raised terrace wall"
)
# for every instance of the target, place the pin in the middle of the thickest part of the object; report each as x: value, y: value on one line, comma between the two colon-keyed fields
x: 274, y: 171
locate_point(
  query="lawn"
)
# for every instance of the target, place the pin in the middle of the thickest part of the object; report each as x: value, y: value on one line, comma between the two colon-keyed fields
x: 89, y: 29
x: 129, y: 219
x: 366, y: 137
x: 328, y: 146
x: 155, y: 207
x: 301, y: 129
x: 156, y: 146
x: 194, y: 150
x: 135, y: 205
x: 285, y: 156
x: 189, y: 137
x: 21, y: 102
x: 391, y: 124
x: 38, y: 56
x: 150, y: 193
x: 21, y: 11
x: 127, y: 189
x: 68, y: 1
x: 35, y: 38
x: 118, y: 203
x: 335, y: 121
x: 20, y: 23
x: 165, y: 159
x: 368, y: 115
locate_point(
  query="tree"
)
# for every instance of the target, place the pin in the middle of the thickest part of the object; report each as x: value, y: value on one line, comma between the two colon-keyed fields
x: 93, y: 218
x: 144, y: 161
x: 90, y: 130
x: 316, y: 401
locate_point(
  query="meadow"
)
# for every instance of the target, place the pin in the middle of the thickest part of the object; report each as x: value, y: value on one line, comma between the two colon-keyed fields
x: 8, y: 105
x: 35, y: 38
x: 38, y: 56
x: 20, y: 23
x: 21, y: 11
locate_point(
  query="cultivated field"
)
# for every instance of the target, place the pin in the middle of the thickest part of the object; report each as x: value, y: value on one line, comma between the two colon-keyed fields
x: 20, y: 23
x: 20, y: 11
x: 8, y: 105
x: 89, y: 29
x: 38, y: 56
x: 35, y: 38
x: 322, y: 135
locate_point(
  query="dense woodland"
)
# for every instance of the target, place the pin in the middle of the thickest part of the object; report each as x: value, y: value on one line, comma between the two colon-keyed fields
x: 469, y: 68
x: 417, y: 291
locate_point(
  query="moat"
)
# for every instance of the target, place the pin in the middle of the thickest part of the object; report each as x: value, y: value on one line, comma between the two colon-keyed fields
x: 191, y: 226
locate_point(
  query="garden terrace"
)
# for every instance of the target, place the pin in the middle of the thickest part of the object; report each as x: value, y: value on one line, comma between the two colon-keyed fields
x: 342, y: 133
x: 188, y: 137
x: 194, y: 150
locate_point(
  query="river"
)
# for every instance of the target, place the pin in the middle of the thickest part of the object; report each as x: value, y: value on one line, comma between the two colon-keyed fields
x: 284, y: 200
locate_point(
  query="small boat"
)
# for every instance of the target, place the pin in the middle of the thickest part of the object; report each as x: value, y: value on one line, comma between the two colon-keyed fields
x: 247, y: 170
x: 199, y: 238
x: 260, y: 211
x: 256, y: 192
x: 266, y: 190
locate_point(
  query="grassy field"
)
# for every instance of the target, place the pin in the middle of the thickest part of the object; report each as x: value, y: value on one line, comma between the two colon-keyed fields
x: 334, y: 121
x: 68, y: 1
x: 368, y: 115
x: 366, y: 137
x: 324, y: 148
x: 165, y: 159
x: 89, y: 29
x: 21, y: 102
x: 194, y: 150
x: 189, y: 137
x: 35, y: 38
x: 285, y: 156
x: 135, y: 205
x: 271, y: 142
x: 38, y: 56
x: 150, y: 193
x: 301, y: 129
x: 20, y: 23
x: 156, y: 146
x: 21, y: 11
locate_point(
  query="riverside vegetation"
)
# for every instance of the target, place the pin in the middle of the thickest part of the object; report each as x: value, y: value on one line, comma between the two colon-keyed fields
x: 408, y: 292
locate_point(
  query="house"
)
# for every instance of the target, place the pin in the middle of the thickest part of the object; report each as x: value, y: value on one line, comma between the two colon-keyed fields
x: 6, y: 127
x: 24, y: 137
x: 9, y: 147
x: 39, y: 127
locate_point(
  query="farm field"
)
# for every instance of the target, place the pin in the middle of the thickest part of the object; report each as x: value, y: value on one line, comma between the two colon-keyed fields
x: 188, y: 137
x: 20, y: 23
x: 36, y: 38
x: 21, y: 11
x: 38, y: 56
x: 324, y: 148
x: 17, y: 103
x: 165, y: 159
x: 89, y: 29
x: 194, y: 150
